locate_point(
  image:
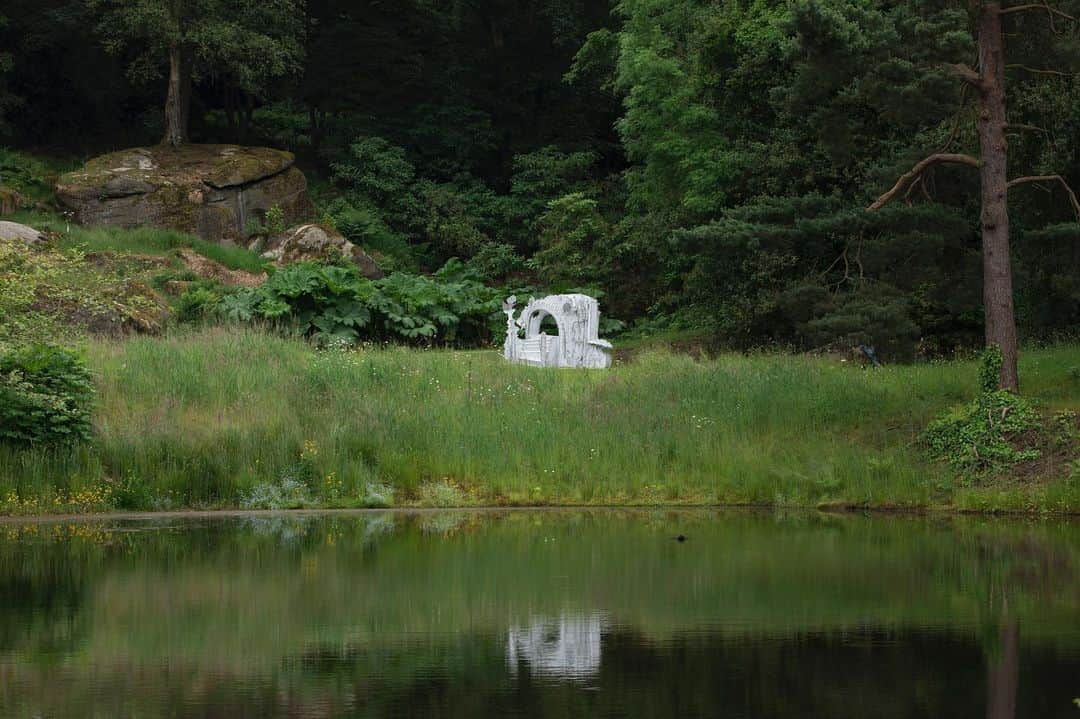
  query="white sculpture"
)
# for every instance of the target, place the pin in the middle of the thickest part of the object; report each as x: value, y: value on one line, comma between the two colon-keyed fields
x: 577, y: 344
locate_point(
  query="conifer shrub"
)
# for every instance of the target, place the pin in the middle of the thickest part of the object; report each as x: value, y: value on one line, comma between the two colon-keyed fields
x: 46, y: 396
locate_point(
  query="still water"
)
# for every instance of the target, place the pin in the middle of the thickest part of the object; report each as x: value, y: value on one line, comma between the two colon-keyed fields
x: 541, y: 614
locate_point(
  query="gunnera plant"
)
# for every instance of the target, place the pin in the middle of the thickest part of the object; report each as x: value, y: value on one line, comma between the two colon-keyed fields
x: 996, y: 430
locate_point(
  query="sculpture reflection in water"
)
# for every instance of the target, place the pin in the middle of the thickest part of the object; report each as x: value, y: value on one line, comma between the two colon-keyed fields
x: 567, y: 647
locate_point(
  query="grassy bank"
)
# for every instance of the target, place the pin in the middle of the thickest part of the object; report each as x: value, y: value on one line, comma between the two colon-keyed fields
x: 234, y: 417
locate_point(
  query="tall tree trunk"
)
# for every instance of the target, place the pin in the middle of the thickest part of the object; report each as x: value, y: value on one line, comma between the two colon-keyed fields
x: 178, y: 99
x: 1003, y: 674
x: 997, y: 264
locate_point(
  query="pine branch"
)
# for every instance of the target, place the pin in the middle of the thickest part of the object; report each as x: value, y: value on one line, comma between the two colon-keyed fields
x: 916, y: 171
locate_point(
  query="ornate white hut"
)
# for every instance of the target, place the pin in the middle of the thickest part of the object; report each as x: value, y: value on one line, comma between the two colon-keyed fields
x: 577, y: 343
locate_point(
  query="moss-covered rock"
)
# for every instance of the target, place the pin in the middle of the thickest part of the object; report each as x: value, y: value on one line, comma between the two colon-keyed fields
x: 209, y: 190
x: 320, y: 244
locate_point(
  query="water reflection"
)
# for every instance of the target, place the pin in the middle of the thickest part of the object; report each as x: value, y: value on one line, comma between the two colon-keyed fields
x: 541, y: 615
x: 567, y: 647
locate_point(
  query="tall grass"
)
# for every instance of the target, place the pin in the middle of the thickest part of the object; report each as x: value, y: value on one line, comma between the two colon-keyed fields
x: 201, y: 419
x: 140, y: 240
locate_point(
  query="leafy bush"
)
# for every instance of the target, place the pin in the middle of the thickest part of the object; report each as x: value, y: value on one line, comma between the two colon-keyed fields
x: 495, y: 261
x: 335, y: 304
x: 570, y: 232
x: 31, y: 177
x: 987, y: 433
x: 46, y: 395
x: 197, y: 302
x: 361, y: 223
x: 275, y: 220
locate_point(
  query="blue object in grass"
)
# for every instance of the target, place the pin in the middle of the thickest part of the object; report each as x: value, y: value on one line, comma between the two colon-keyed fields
x: 870, y: 354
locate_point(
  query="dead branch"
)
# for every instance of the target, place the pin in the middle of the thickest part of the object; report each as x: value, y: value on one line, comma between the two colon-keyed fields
x: 1050, y: 178
x: 917, y: 170
x: 966, y: 73
x: 1021, y: 126
x: 1039, y: 71
x: 911, y: 188
x: 1044, y: 6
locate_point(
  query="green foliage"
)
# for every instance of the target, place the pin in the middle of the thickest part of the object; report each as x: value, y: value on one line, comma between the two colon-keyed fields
x: 197, y: 303
x: 495, y: 262
x: 46, y: 396
x: 992, y: 432
x: 31, y: 177
x: 729, y: 148
x: 275, y: 220
x: 990, y: 369
x: 244, y: 45
x: 572, y: 236
x: 363, y: 225
x: 546, y: 174
x: 335, y: 304
x: 377, y: 170
x: 54, y: 295
x: 760, y: 429
x: 142, y: 240
x: 984, y: 435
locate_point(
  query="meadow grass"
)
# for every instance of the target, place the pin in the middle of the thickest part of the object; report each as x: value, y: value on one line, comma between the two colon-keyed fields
x: 140, y: 240
x: 202, y: 418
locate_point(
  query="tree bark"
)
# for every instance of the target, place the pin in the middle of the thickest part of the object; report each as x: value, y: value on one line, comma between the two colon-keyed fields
x: 178, y: 98
x: 993, y: 151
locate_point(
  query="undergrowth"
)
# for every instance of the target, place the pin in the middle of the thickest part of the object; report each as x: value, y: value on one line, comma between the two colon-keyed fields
x: 228, y: 417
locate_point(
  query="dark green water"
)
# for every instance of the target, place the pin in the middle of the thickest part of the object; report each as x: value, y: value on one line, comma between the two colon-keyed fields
x: 541, y: 614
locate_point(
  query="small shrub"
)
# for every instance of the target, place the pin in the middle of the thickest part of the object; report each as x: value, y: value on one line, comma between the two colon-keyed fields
x: 275, y: 220
x: 1064, y: 428
x: 253, y: 227
x: 196, y: 303
x: 46, y: 395
x: 981, y: 435
x: 131, y: 492
x: 444, y: 493
x: 378, y: 495
x: 287, y: 493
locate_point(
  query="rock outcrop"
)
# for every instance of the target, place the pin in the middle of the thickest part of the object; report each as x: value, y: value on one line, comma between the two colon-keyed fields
x: 20, y: 233
x: 318, y: 243
x: 212, y: 191
x: 10, y: 201
x: 212, y: 270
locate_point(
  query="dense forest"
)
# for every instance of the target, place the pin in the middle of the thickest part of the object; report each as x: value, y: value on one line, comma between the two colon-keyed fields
x: 702, y: 165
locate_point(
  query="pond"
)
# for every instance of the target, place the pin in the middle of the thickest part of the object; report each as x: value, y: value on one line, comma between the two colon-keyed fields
x: 541, y: 614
